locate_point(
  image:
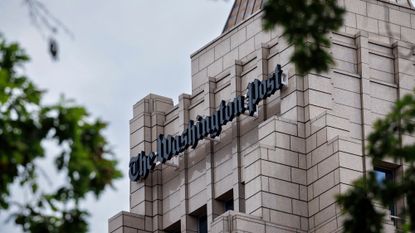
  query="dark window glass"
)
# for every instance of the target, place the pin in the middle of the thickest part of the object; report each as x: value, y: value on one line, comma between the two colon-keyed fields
x: 228, y: 205
x: 202, y: 225
x: 383, y: 175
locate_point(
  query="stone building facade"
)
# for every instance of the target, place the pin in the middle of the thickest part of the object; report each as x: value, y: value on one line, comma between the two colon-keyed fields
x: 277, y: 171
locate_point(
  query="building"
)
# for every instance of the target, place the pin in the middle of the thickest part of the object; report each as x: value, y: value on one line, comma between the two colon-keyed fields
x: 279, y: 169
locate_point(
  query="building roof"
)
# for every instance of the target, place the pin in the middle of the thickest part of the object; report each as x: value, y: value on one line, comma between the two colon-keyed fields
x: 241, y: 10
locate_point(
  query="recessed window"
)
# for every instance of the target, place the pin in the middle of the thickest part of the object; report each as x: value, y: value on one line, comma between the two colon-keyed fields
x: 199, y: 221
x: 384, y: 175
x: 202, y: 224
x: 226, y: 201
x: 174, y: 228
x: 228, y: 205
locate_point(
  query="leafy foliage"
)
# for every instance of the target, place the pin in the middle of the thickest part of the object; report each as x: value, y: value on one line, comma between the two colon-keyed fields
x: 386, y: 141
x: 306, y: 25
x: 25, y: 123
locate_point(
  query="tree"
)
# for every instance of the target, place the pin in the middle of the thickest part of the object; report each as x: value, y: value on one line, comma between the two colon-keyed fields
x: 25, y: 124
x: 386, y: 141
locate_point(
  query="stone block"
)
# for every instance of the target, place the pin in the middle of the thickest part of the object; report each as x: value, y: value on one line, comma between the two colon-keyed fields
x: 282, y: 156
x: 346, y: 82
x: 351, y: 161
x: 329, y: 197
x: 285, y: 219
x: 283, y: 141
x: 318, y: 82
x: 408, y: 34
x: 337, y: 122
x: 266, y: 128
x: 252, y: 156
x: 323, y: 184
x: 206, y: 58
x: 312, y: 174
x: 254, y: 186
x: 328, y: 227
x: 299, y: 176
x: 300, y: 208
x: 367, y: 24
x: 137, y: 197
x: 320, y: 99
x: 249, y: 226
x: 302, y: 161
x: 224, y: 169
x: 253, y: 28
x: 320, y: 153
x: 171, y: 201
x: 268, y: 140
x: 215, y: 68
x: 276, y: 202
x: 222, y: 48
x: 199, y: 184
x: 253, y: 203
x: 348, y: 98
x: 334, y: 132
x: 324, y: 215
x: 276, y: 170
x: 252, y: 171
x: 195, y: 66
x: 389, y: 29
x: 321, y: 136
x: 238, y: 38
x: 380, y: 108
x: 288, y: 102
x: 347, y: 176
x: 303, y: 193
x: 350, y: 147
x: 246, y: 48
x: 310, y: 192
x: 356, y: 6
x: 199, y: 78
x: 350, y: 19
x: 317, y: 123
x: 314, y: 206
x: 195, y: 202
x: 283, y: 188
x: 400, y: 18
x: 286, y: 127
x: 311, y: 143
x: 261, y: 38
x: 230, y: 58
x: 328, y: 165
x: 297, y: 144
x: 377, y: 11
x: 304, y: 224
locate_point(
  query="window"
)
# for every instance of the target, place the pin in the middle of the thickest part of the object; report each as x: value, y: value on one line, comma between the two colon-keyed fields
x: 225, y: 202
x: 202, y: 224
x: 382, y: 175
x: 228, y: 205
x: 174, y: 228
x: 198, y: 220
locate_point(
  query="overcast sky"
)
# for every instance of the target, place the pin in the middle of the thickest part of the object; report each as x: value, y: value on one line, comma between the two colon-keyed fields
x: 121, y: 51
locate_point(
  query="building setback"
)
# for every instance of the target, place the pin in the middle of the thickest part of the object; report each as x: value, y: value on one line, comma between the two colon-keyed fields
x: 279, y: 169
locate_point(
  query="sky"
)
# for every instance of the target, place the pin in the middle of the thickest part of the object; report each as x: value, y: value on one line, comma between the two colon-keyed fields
x: 120, y: 51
